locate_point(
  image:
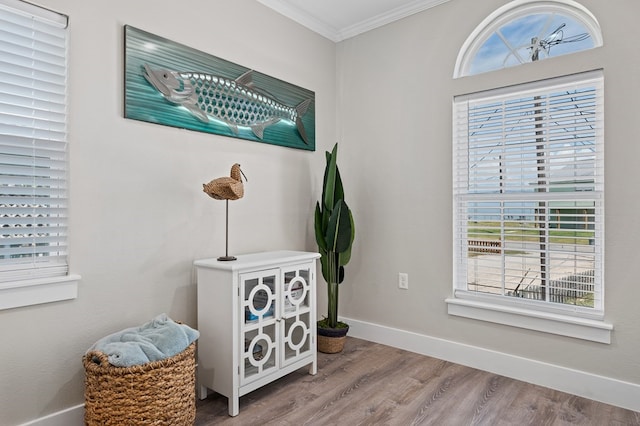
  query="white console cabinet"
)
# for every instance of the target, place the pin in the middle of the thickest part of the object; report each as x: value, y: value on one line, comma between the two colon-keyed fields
x: 257, y: 321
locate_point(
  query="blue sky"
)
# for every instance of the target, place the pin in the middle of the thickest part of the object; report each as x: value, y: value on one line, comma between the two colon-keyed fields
x: 495, y: 53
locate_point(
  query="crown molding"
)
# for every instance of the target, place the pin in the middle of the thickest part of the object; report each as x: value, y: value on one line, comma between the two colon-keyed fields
x: 287, y: 9
x: 339, y: 34
x: 387, y: 18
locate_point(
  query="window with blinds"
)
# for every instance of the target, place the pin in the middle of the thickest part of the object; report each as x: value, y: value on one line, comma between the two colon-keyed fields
x: 33, y: 142
x: 528, y: 194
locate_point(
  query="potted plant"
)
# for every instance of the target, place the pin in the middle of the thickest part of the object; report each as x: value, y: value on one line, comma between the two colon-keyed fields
x: 335, y: 231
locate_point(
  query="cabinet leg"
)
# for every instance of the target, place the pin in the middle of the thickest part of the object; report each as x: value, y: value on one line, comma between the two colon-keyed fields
x: 313, y: 368
x: 203, y: 392
x: 234, y: 405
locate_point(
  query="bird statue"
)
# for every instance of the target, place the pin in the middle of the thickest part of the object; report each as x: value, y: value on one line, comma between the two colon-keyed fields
x: 227, y: 188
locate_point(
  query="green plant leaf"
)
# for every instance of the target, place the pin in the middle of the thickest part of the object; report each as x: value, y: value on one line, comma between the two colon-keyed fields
x: 345, y: 256
x: 324, y: 262
x: 338, y: 191
x: 340, y: 274
x: 344, y: 239
x: 331, y: 233
x: 338, y: 235
x: 328, y: 192
x: 318, y: 222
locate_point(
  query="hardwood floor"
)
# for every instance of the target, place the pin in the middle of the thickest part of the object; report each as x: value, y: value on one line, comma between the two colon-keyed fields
x: 373, y: 384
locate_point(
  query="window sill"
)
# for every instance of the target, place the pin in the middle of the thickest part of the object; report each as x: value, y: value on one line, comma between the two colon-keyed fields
x: 34, y: 292
x: 563, y: 325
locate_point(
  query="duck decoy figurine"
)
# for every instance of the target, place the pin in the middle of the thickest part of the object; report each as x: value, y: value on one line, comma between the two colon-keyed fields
x: 227, y: 188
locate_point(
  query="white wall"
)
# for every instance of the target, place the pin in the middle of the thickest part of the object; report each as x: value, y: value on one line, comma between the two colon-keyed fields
x: 139, y: 217
x: 395, y: 91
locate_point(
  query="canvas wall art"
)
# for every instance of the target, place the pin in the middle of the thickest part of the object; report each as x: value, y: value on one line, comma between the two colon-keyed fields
x: 171, y: 84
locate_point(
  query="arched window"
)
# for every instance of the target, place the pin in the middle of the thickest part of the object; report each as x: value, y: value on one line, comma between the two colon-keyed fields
x: 525, y: 31
x: 528, y: 181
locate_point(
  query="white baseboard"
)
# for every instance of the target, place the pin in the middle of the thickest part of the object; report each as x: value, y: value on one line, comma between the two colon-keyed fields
x: 73, y: 416
x: 599, y: 388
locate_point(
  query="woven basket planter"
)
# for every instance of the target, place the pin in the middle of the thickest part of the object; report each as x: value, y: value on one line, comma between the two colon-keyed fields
x: 157, y: 393
x: 331, y: 345
x: 331, y: 340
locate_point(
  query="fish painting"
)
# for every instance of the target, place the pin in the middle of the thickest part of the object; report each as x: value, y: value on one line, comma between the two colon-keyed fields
x: 238, y: 103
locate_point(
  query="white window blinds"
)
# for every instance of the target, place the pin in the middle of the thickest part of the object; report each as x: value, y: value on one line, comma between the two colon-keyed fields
x: 528, y: 193
x: 33, y: 142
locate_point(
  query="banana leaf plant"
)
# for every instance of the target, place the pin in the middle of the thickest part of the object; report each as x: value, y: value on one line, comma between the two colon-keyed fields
x: 335, y: 231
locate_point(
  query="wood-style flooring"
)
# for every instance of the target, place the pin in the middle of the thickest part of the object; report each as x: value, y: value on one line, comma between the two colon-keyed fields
x: 373, y: 384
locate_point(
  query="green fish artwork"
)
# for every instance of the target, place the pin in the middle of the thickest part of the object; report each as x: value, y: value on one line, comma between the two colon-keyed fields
x: 171, y: 84
x: 235, y: 102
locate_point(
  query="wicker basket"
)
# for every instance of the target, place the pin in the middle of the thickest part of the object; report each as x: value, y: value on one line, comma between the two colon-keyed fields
x: 331, y: 340
x: 157, y: 393
x: 331, y: 345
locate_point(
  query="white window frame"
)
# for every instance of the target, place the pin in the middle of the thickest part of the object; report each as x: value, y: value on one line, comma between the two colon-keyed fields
x: 566, y: 320
x: 514, y: 10
x: 34, y: 266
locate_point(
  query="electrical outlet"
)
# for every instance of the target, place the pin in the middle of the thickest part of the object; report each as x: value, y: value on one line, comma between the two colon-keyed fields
x: 403, y: 280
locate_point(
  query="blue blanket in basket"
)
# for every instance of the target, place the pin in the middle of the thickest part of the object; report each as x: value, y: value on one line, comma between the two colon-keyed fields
x: 158, y: 339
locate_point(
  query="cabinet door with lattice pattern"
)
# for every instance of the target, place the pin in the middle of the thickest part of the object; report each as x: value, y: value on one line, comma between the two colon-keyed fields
x: 259, y: 294
x: 297, y: 314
